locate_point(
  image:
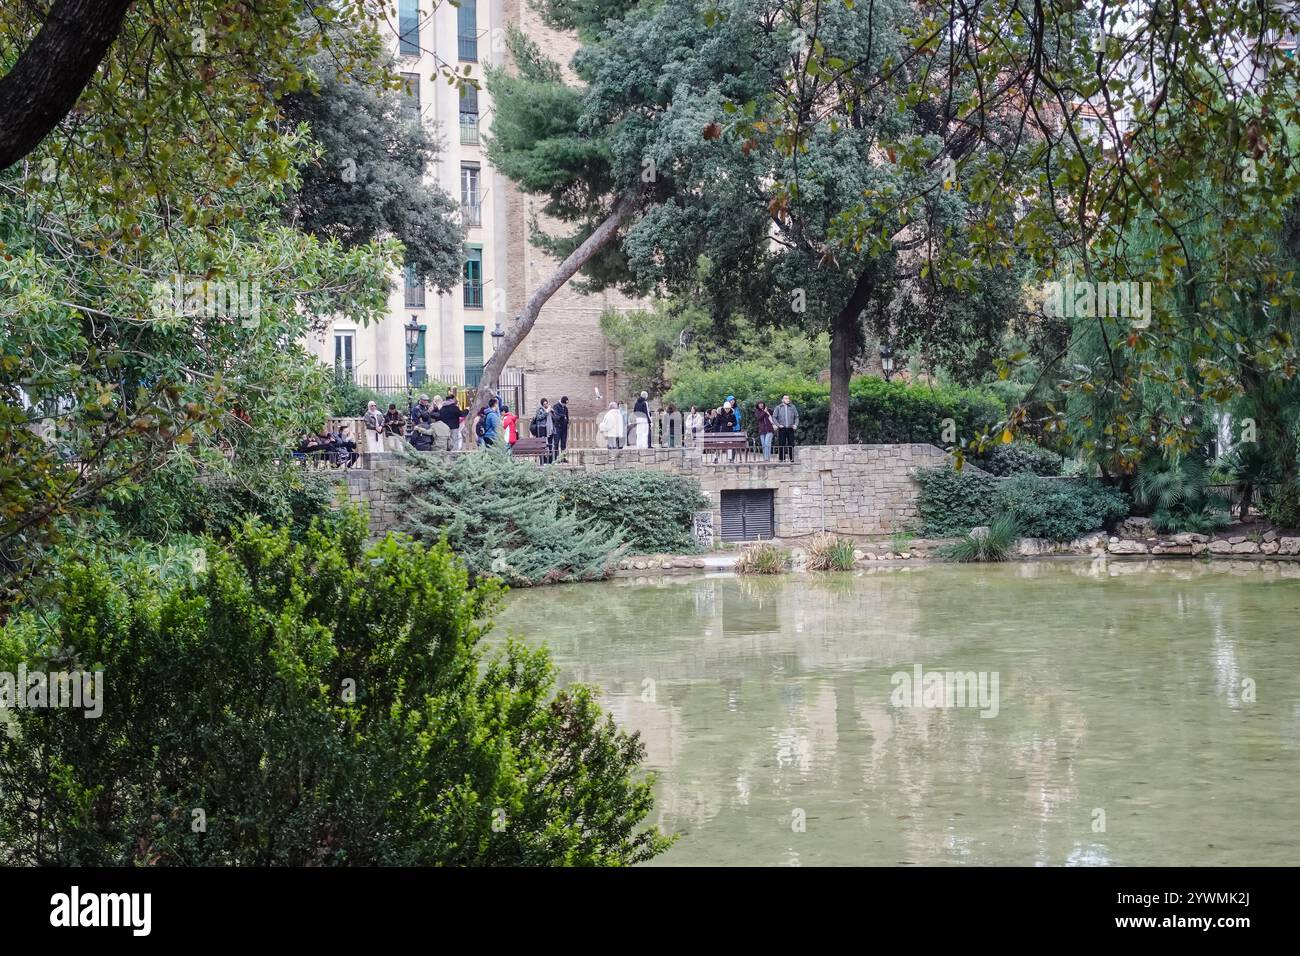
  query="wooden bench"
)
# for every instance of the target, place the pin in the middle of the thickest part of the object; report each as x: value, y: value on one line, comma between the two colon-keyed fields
x: 724, y: 441
x: 529, y: 447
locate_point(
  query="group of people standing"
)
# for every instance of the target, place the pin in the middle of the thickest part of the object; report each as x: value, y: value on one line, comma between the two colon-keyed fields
x: 776, y: 425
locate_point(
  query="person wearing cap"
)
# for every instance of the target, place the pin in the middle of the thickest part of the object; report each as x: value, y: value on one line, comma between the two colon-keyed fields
x: 421, y: 425
x: 734, y: 408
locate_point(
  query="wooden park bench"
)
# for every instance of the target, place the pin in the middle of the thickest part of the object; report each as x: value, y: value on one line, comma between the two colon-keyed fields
x: 529, y: 447
x: 717, y: 442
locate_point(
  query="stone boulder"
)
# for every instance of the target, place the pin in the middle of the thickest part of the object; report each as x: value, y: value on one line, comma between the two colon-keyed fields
x: 1220, y: 547
x: 1288, y: 546
x: 1135, y: 528
x: 1245, y: 547
x: 1126, y: 547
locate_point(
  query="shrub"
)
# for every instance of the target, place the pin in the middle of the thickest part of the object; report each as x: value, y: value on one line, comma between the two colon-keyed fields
x: 1021, y: 457
x: 952, y: 502
x: 323, y: 704
x: 764, y: 558
x: 828, y: 552
x: 1176, y: 494
x: 993, y: 544
x: 879, y: 411
x: 653, y: 511
x: 1061, y: 509
x: 1282, y: 506
x: 504, y: 517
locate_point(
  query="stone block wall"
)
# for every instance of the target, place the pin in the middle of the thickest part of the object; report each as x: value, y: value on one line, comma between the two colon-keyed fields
x: 852, y: 490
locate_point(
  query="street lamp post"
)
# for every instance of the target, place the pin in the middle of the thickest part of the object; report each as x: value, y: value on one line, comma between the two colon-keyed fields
x: 412, y: 339
x: 887, y: 361
x: 497, y: 335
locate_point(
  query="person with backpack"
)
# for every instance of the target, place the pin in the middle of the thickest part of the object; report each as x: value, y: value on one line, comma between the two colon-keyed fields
x: 492, y: 423
x: 543, y: 425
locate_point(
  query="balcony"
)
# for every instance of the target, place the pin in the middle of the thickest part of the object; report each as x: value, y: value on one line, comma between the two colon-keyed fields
x: 467, y: 47
x: 473, y: 295
x: 469, y: 129
x: 471, y: 211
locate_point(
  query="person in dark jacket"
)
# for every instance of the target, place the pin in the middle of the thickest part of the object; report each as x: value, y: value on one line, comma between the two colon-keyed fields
x: 641, y: 417
x: 422, y: 417
x: 560, y: 415
x: 786, y: 418
x: 450, y: 414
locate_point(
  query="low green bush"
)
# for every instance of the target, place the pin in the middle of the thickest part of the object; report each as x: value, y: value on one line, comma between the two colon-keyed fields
x: 1061, y: 509
x: 1021, y: 457
x: 320, y: 703
x: 653, y: 511
x: 527, y: 524
x: 879, y: 411
x: 952, y: 502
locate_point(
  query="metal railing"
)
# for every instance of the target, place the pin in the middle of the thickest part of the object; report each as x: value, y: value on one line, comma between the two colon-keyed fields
x: 471, y: 212
x: 468, y: 130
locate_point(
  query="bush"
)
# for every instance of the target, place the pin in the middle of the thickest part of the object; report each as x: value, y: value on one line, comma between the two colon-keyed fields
x: 763, y: 558
x: 1021, y: 457
x: 322, y: 704
x: 828, y: 552
x: 504, y: 517
x: 1282, y: 506
x: 880, y: 412
x: 1061, y: 509
x: 1176, y: 492
x: 993, y: 544
x: 654, y: 512
x: 952, y: 502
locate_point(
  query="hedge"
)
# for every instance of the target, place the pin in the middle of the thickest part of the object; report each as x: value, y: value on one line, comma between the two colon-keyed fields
x: 952, y: 502
x: 880, y: 412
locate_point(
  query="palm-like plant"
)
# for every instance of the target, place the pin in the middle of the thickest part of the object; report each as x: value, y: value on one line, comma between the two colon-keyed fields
x: 1176, y: 492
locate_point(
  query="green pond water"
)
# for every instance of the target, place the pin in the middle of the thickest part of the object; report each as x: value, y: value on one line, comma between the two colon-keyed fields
x: 1145, y: 712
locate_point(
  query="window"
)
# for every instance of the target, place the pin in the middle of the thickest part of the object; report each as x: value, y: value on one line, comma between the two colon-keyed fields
x: 473, y: 355
x: 467, y: 30
x: 414, y: 288
x: 408, y: 28
x: 474, y: 278
x: 411, y: 96
x: 419, y: 368
x: 468, y: 115
x: 471, y: 203
x: 747, y: 515
x: 344, y: 343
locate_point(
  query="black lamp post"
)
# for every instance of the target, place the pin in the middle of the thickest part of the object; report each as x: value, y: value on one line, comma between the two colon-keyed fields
x: 887, y: 361
x: 412, y: 339
x: 497, y: 335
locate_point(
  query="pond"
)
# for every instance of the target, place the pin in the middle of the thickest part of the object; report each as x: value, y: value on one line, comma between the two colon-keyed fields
x: 1106, y: 712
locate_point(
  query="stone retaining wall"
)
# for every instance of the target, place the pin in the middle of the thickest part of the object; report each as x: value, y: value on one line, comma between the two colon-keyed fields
x: 853, y: 490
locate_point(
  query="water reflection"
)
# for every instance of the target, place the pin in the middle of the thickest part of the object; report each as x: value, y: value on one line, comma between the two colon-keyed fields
x: 765, y: 709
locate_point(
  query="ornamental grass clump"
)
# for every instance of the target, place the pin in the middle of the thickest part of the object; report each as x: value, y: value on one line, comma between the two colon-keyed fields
x: 993, y: 543
x: 829, y: 552
x: 763, y: 558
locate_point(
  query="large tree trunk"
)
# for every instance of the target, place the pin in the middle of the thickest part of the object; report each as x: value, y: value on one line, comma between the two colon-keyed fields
x: 565, y: 271
x: 51, y: 73
x: 846, y: 340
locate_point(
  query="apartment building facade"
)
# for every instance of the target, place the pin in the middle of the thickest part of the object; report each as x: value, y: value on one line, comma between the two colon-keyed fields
x: 565, y: 354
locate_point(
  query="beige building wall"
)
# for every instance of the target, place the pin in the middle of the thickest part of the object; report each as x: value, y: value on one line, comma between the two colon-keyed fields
x: 564, y: 354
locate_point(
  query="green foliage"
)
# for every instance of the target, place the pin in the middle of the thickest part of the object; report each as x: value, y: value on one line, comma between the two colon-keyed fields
x: 994, y: 543
x: 1175, y: 492
x: 879, y: 411
x: 505, y: 518
x: 1282, y: 507
x: 763, y: 558
x: 1019, y: 457
x: 323, y: 704
x: 653, y: 512
x: 952, y: 502
x: 829, y: 552
x: 1061, y: 509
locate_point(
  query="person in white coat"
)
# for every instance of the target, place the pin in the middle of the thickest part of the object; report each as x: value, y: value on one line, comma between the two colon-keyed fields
x: 374, y: 420
x: 611, y: 426
x: 641, y: 417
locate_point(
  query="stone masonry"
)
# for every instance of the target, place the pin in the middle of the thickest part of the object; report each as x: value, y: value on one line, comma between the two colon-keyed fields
x: 853, y: 490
